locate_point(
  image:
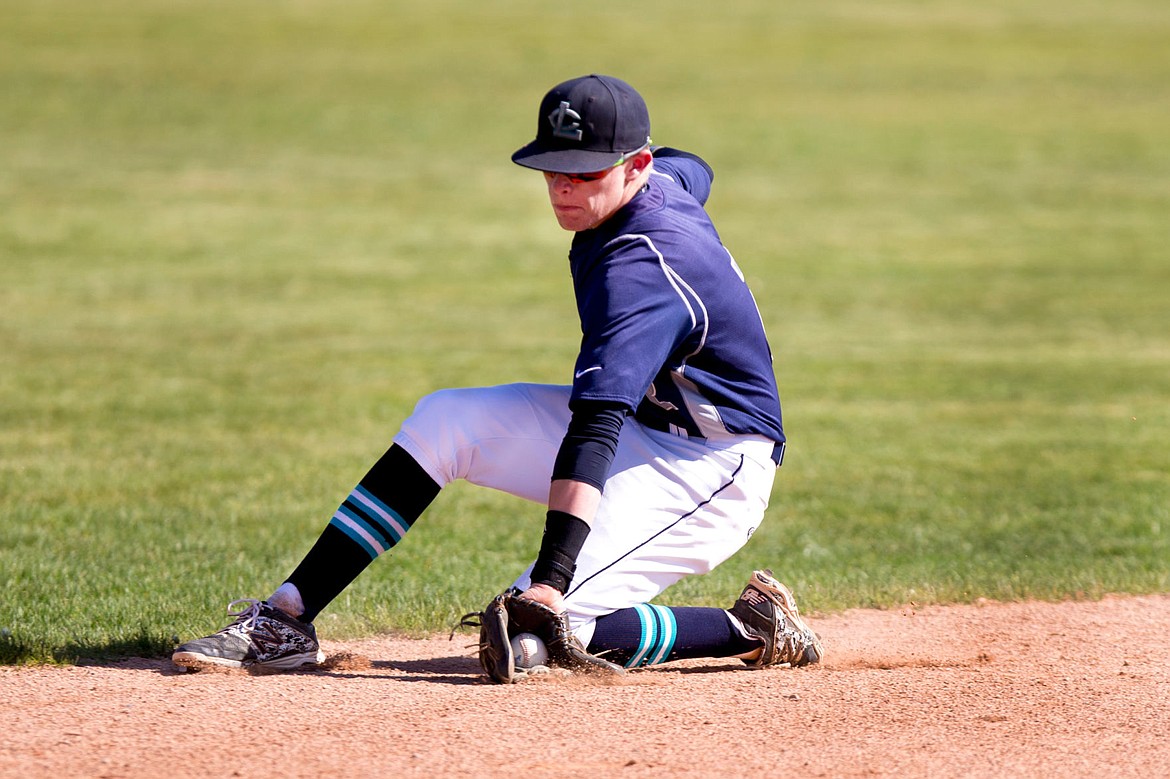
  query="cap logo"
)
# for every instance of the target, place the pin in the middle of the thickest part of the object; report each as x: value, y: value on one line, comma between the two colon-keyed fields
x: 566, y: 122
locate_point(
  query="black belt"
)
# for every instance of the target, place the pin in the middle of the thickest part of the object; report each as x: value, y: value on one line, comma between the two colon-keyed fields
x: 778, y: 449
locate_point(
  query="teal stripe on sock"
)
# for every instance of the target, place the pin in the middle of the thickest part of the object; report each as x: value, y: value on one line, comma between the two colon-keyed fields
x: 667, y: 635
x: 391, y: 523
x: 339, y: 522
x: 649, y: 636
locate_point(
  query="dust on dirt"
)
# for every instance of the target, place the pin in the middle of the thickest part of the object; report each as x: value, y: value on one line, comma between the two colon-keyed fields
x: 1073, y: 689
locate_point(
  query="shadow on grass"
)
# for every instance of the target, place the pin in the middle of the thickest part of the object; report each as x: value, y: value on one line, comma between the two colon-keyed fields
x: 17, y: 650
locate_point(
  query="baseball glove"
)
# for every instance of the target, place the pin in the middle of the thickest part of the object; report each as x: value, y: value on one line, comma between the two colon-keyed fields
x: 508, y: 615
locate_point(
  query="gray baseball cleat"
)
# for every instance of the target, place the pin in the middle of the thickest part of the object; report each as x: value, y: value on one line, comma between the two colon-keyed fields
x: 768, y: 611
x: 262, y: 636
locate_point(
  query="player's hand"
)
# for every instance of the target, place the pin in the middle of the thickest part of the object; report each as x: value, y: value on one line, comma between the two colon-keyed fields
x: 549, y: 596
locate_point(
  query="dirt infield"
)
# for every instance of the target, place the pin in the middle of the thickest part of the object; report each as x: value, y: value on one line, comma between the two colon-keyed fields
x: 1073, y: 689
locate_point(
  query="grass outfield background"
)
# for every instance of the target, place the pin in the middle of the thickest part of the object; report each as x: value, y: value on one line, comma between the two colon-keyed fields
x: 238, y: 240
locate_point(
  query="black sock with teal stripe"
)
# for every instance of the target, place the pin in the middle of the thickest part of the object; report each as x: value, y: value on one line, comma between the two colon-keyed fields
x: 375, y: 516
x: 648, y: 635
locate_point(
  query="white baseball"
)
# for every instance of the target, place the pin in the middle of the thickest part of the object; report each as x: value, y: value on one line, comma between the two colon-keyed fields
x: 529, y: 650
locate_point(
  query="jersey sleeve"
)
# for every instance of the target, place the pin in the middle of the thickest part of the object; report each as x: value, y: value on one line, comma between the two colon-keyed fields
x: 633, y: 317
x: 690, y: 171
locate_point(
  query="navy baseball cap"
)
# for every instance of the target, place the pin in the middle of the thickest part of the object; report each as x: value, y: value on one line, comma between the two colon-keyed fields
x: 586, y: 125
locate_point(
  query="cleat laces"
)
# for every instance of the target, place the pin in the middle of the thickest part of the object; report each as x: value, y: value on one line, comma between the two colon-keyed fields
x: 246, y: 617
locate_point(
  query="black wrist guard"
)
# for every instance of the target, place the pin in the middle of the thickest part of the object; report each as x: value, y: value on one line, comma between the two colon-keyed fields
x: 564, y: 535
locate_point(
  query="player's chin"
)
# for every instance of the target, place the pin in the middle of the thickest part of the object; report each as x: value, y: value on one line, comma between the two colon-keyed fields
x: 569, y: 218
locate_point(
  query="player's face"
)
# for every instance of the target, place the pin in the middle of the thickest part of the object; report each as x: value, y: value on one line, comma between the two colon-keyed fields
x: 582, y: 202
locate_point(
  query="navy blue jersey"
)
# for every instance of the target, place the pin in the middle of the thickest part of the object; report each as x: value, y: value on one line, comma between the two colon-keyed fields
x: 669, y: 327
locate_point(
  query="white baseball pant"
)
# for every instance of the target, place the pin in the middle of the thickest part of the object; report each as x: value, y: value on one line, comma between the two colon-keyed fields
x: 671, y: 507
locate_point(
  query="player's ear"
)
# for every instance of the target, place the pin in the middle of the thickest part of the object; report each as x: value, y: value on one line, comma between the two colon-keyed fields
x: 640, y: 162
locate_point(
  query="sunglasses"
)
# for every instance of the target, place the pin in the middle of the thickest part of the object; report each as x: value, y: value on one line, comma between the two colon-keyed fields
x: 581, y: 178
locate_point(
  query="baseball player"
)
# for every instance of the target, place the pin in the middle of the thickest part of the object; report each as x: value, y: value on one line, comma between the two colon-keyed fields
x: 655, y: 463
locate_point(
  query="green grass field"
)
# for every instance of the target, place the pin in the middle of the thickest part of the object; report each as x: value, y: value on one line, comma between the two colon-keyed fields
x: 238, y: 240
